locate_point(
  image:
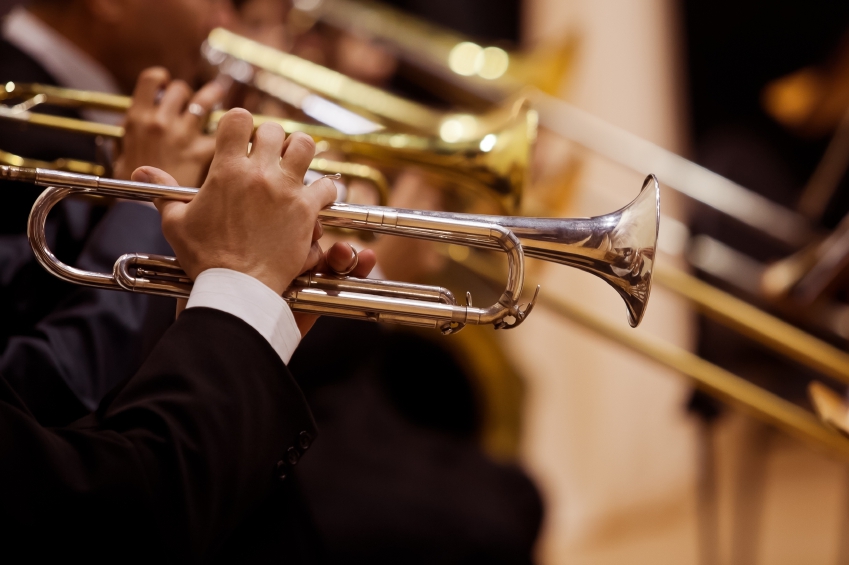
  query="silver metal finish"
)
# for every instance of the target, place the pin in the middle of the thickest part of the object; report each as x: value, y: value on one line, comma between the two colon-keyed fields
x: 619, y: 248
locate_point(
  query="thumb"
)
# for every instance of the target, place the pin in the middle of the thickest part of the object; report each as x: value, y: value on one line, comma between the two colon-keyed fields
x: 152, y: 175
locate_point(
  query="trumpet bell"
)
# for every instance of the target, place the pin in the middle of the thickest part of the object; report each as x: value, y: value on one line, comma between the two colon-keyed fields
x: 619, y: 247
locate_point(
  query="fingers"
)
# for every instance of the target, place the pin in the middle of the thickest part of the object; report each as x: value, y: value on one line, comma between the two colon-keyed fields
x: 150, y: 83
x: 298, y: 152
x: 317, y: 231
x: 322, y: 193
x: 368, y: 260
x: 153, y: 175
x: 207, y: 98
x: 268, y: 144
x: 174, y: 99
x: 314, y: 257
x: 340, y: 258
x: 234, y: 133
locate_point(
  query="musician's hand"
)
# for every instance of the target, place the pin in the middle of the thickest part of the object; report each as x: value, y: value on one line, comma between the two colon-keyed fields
x: 253, y: 214
x: 164, y: 128
x: 340, y: 258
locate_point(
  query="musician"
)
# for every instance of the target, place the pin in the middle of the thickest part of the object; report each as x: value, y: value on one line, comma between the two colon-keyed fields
x: 399, y: 475
x: 81, y: 342
x: 212, y: 423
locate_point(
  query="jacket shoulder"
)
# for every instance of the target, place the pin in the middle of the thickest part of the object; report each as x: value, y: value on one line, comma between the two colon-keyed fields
x: 15, y: 65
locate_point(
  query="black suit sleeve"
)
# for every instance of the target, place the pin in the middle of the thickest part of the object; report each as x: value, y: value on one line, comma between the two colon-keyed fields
x: 169, y: 464
x: 93, y: 339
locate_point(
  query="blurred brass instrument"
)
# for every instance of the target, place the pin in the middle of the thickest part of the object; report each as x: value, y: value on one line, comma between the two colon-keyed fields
x: 261, y: 67
x: 488, y: 71
x: 69, y: 165
x: 618, y: 247
x: 710, y: 378
x: 430, y: 53
x: 492, y: 166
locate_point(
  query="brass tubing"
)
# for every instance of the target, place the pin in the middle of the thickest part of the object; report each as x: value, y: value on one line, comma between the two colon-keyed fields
x: 493, y: 166
x: 706, y: 376
x: 711, y: 379
x: 756, y: 324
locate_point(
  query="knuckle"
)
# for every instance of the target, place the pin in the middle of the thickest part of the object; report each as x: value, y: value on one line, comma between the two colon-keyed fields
x: 269, y: 128
x: 154, y: 74
x: 158, y: 125
x: 181, y: 85
x: 303, y: 141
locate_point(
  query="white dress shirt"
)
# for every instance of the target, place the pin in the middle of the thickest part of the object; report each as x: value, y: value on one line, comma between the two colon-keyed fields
x: 222, y: 289
x: 245, y: 297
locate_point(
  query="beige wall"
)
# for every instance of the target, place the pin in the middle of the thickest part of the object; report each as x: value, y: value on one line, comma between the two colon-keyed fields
x: 606, y: 436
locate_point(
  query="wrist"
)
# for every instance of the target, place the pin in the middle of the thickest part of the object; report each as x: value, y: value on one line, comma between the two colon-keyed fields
x: 269, y: 279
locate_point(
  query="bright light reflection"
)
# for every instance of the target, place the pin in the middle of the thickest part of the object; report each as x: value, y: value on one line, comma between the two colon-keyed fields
x: 451, y: 130
x: 465, y: 58
x: 488, y: 142
x: 457, y: 128
x: 495, y: 63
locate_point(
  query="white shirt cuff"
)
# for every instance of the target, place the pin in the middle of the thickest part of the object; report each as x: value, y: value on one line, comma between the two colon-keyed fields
x: 245, y: 297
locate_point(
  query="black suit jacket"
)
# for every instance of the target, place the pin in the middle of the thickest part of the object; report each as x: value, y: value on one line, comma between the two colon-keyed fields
x: 78, y: 342
x: 168, y: 465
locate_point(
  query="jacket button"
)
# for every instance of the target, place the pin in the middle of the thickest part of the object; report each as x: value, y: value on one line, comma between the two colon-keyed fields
x: 292, y: 456
x: 304, y: 440
x: 282, y: 468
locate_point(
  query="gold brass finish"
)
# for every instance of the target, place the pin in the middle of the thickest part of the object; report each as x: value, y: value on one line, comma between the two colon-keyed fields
x: 488, y: 70
x: 757, y: 324
x: 830, y: 407
x: 706, y: 376
x: 493, y: 166
x: 70, y: 165
x: 393, y: 111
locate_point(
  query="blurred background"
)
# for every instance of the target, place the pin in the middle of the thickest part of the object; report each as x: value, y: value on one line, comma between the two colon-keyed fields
x: 633, y: 465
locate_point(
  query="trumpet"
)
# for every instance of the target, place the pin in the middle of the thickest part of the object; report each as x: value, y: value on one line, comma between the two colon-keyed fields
x: 618, y: 247
x: 492, y: 166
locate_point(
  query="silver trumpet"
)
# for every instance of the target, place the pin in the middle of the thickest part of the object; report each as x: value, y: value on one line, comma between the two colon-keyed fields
x: 618, y: 247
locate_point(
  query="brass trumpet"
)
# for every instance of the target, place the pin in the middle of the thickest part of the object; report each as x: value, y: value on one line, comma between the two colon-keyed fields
x: 492, y: 166
x: 619, y: 248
